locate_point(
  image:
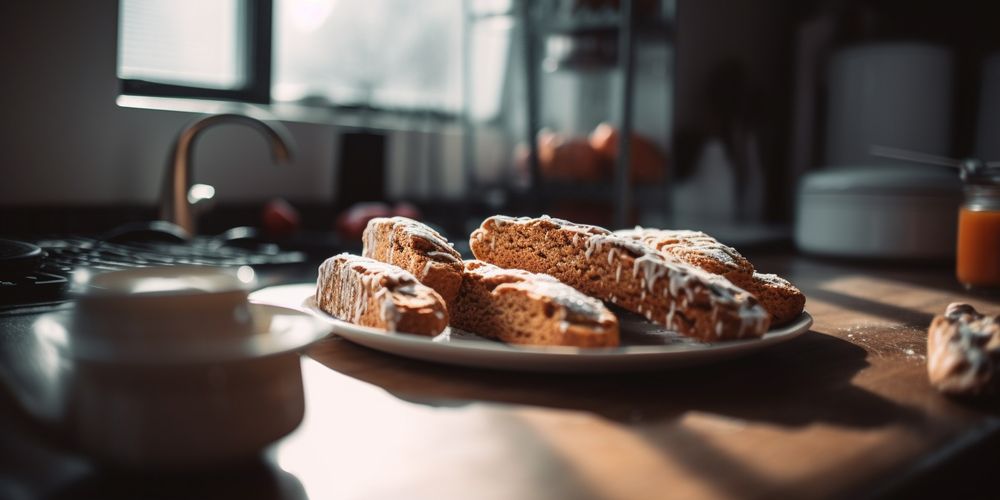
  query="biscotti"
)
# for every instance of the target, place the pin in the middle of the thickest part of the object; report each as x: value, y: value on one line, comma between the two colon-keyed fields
x: 371, y: 293
x: 963, y: 351
x: 625, y: 272
x: 520, y: 307
x: 782, y: 300
x: 695, y: 248
x: 416, y: 248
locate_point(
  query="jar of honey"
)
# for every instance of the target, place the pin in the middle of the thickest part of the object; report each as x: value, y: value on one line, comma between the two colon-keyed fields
x: 978, y: 260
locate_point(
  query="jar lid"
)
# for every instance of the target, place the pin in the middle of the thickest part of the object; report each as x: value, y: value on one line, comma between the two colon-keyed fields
x: 974, y: 171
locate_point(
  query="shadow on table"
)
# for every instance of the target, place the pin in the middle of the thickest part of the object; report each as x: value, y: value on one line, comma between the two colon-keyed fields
x: 800, y: 382
x: 254, y: 480
x: 883, y: 309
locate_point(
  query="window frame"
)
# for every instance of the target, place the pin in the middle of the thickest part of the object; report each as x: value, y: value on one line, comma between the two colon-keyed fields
x: 256, y: 31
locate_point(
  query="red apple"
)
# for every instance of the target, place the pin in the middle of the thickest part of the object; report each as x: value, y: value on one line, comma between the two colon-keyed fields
x: 404, y: 209
x: 280, y: 219
x: 351, y: 223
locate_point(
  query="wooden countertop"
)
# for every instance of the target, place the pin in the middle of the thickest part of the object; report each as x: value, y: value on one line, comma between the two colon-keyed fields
x: 845, y: 410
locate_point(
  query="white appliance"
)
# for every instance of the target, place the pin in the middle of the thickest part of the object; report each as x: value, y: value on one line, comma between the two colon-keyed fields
x: 879, y: 212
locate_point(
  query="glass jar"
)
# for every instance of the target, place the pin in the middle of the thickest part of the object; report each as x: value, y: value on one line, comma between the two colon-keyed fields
x: 978, y: 258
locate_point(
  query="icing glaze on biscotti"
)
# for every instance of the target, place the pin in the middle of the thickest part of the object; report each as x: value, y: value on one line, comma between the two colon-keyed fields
x: 625, y: 272
x: 695, y: 248
x: 521, y: 307
x: 782, y: 300
x: 963, y: 351
x: 367, y: 292
x: 417, y: 248
x: 777, y: 295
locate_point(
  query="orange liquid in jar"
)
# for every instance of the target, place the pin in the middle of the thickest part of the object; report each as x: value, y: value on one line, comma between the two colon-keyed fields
x: 978, y: 262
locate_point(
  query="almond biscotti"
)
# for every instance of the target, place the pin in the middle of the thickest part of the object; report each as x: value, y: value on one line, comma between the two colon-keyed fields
x: 624, y: 272
x: 416, y: 248
x: 520, y: 307
x: 782, y: 300
x: 371, y: 293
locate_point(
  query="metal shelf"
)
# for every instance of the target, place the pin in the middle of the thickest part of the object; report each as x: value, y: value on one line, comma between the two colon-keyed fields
x: 610, y: 24
x: 628, y: 28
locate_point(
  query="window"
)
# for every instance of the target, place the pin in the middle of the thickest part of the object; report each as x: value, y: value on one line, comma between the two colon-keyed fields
x: 214, y: 49
x: 395, y: 54
x: 400, y: 55
x: 182, y: 42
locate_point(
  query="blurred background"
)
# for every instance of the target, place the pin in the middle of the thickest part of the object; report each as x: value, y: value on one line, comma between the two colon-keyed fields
x: 455, y: 109
x: 262, y: 135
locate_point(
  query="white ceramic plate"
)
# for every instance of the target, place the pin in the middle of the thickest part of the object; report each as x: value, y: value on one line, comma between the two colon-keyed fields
x: 645, y: 346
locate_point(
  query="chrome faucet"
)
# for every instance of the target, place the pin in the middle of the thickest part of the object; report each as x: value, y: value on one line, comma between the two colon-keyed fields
x: 174, y: 204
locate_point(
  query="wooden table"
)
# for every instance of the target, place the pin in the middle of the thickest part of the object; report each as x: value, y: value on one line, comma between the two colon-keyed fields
x: 843, y: 411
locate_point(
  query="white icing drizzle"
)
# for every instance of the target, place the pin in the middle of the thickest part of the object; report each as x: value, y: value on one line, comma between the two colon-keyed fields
x: 391, y: 245
x: 502, y: 220
x: 684, y: 241
x: 361, y: 279
x: 368, y: 241
x: 771, y: 281
x: 390, y: 313
x: 361, y: 305
x: 651, y: 267
x: 444, y: 256
x: 443, y: 251
x: 685, y: 282
x: 395, y: 276
x: 958, y: 351
x: 576, y: 306
x: 592, y: 244
x: 962, y: 350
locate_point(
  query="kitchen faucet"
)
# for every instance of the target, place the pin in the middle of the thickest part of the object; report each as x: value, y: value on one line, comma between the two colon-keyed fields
x: 174, y: 204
